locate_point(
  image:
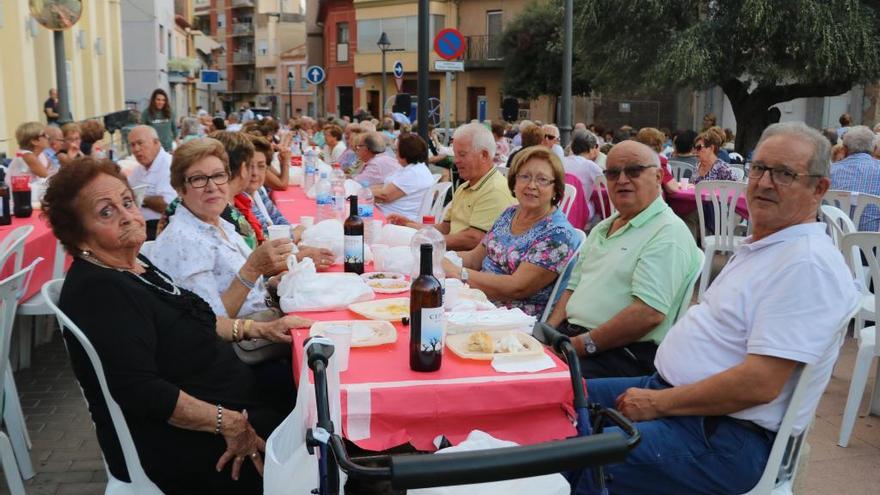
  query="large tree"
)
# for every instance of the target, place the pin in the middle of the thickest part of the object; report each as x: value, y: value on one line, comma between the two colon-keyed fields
x: 759, y: 52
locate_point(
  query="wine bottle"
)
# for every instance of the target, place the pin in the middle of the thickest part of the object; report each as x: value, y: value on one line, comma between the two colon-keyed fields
x: 5, y: 212
x: 426, y: 316
x: 354, y: 239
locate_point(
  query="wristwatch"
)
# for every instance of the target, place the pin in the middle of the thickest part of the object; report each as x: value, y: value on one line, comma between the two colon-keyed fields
x: 589, y: 346
x: 464, y: 275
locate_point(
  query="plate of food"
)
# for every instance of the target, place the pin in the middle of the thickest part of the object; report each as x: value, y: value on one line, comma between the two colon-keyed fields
x: 386, y: 282
x: 486, y: 345
x: 392, y: 309
x: 363, y: 333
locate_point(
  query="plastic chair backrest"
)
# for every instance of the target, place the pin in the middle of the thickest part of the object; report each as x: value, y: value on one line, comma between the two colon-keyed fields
x: 140, y: 483
x: 856, y: 248
x: 724, y: 195
x: 601, y: 183
x: 568, y: 199
x: 433, y: 201
x: 564, y: 274
x: 862, y: 202
x: 681, y: 169
x: 782, y: 463
x: 11, y: 290
x: 842, y: 200
x: 13, y: 245
x: 689, y: 289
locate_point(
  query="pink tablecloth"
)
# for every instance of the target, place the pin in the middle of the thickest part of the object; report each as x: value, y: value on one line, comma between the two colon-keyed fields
x: 41, y: 243
x: 682, y: 202
x: 385, y: 404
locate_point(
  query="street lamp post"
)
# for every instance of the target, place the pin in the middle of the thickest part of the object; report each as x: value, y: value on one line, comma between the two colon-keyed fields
x: 289, y: 94
x: 384, y: 44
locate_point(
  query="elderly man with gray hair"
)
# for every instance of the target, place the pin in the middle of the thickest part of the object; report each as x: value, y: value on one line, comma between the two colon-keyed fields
x: 154, y: 172
x: 726, y: 370
x: 370, y: 149
x: 478, y: 202
x: 859, y: 172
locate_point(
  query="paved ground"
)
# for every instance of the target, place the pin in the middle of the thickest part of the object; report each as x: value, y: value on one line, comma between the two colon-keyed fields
x: 68, y: 461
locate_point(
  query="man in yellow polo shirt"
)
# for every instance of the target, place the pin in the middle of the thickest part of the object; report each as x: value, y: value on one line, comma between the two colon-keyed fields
x: 634, y: 270
x: 478, y: 202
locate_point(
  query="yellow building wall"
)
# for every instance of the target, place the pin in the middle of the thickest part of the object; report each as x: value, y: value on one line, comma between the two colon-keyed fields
x: 28, y: 66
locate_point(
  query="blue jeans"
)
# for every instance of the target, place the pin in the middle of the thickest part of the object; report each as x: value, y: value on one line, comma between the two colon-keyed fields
x: 676, y: 455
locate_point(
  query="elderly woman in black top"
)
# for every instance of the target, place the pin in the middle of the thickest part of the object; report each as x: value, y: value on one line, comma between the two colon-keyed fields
x: 194, y: 410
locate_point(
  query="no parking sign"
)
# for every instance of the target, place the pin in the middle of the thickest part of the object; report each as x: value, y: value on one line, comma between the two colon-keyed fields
x: 449, y: 44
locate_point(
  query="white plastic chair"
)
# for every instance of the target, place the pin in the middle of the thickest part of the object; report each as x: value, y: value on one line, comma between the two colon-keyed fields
x: 140, y: 484
x: 862, y: 201
x: 839, y: 224
x: 681, y: 169
x: 689, y: 291
x: 13, y: 245
x: 842, y: 200
x: 436, y: 177
x: 723, y: 195
x: 36, y: 307
x: 14, y: 449
x: 139, y: 193
x: 563, y: 275
x: 568, y: 199
x: 865, y: 244
x: 433, y: 201
x: 601, y: 183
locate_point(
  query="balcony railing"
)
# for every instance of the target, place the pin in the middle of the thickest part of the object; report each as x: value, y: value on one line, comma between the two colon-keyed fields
x: 242, y: 86
x: 239, y: 28
x: 483, y: 48
x: 243, y: 58
x: 242, y: 3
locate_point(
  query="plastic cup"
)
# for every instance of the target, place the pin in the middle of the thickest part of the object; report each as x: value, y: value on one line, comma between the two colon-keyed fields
x: 376, y: 228
x: 279, y: 232
x: 341, y: 337
x: 307, y: 221
x: 685, y: 181
x: 451, y: 294
x: 379, y: 256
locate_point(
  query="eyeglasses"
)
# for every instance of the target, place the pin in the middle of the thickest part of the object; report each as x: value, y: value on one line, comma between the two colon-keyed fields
x: 699, y: 147
x: 631, y: 171
x: 550, y: 137
x: 539, y: 180
x: 200, y: 181
x: 43, y: 135
x: 782, y: 176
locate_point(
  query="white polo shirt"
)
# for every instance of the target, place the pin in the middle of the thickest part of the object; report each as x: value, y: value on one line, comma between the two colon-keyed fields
x: 158, y: 178
x: 786, y: 296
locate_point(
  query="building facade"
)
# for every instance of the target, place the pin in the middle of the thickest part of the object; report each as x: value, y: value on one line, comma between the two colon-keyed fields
x: 147, y: 45
x: 93, y: 48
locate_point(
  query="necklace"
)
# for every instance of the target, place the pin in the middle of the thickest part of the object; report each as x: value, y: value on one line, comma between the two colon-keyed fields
x: 175, y: 290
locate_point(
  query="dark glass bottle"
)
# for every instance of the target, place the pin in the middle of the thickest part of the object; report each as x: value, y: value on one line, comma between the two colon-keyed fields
x: 426, y: 316
x: 354, y: 239
x: 5, y: 213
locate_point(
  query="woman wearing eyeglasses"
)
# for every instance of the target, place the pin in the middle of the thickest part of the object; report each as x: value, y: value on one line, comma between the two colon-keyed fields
x: 530, y: 244
x: 710, y: 167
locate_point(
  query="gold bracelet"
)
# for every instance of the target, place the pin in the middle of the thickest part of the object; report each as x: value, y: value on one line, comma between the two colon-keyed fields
x: 246, y: 331
x: 235, y: 324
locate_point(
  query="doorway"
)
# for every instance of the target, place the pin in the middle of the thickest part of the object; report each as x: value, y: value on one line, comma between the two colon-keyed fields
x: 345, y: 101
x: 373, y: 103
x: 473, y: 95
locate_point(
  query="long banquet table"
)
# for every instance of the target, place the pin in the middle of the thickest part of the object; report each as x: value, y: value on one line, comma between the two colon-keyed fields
x: 385, y: 404
x: 40, y: 243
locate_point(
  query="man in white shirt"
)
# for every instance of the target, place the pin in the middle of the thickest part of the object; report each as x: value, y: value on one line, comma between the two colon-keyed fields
x: 726, y: 370
x: 154, y: 171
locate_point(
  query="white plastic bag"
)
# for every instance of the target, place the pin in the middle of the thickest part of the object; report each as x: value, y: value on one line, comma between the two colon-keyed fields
x: 303, y: 289
x: 396, y: 235
x: 397, y: 259
x: 328, y: 234
x: 289, y: 469
x: 551, y: 484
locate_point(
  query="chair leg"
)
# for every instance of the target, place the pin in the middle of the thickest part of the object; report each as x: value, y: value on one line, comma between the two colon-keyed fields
x: 707, y: 272
x: 13, y: 479
x: 26, y: 343
x: 13, y: 418
x: 854, y: 398
x: 874, y: 404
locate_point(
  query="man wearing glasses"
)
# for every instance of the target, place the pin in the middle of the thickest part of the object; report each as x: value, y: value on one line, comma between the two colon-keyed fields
x: 725, y: 372
x: 153, y: 171
x: 633, y: 272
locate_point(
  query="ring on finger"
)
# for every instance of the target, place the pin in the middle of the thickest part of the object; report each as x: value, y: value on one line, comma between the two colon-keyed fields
x: 254, y: 455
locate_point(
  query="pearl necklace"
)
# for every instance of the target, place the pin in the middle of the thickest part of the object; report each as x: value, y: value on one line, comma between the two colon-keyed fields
x: 175, y: 290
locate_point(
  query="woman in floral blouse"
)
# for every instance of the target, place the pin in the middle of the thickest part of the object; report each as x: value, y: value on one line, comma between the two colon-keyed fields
x: 530, y: 244
x: 710, y: 167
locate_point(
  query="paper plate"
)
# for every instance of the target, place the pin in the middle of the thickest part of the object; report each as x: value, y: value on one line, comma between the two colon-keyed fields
x: 379, y: 276
x: 393, y: 309
x: 364, y: 333
x: 388, y: 285
x: 458, y: 344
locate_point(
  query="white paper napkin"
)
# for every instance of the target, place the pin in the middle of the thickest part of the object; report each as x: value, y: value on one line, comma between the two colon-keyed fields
x: 511, y: 363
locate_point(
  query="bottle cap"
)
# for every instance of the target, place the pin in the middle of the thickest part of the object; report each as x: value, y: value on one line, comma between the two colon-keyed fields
x: 429, y: 220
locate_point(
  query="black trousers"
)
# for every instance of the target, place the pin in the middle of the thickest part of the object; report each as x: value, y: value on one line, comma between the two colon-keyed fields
x: 635, y: 359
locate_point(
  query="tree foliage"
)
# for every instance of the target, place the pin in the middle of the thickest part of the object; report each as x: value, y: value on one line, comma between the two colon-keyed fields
x: 760, y: 52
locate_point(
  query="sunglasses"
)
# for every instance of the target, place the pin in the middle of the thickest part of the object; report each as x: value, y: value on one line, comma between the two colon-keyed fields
x: 631, y: 171
x: 550, y: 137
x: 699, y: 147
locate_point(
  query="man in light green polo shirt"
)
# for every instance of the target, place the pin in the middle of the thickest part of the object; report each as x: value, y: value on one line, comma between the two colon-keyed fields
x: 478, y: 202
x: 634, y: 270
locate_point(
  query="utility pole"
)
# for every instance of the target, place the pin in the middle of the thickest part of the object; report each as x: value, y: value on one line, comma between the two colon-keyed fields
x: 565, y: 111
x: 424, y: 29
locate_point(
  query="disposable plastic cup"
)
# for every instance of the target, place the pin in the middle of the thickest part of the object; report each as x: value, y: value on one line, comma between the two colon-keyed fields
x: 685, y: 181
x: 379, y: 256
x: 307, y: 221
x: 279, y: 232
x: 341, y: 337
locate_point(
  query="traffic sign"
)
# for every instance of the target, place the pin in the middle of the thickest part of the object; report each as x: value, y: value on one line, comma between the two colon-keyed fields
x: 398, y: 69
x: 449, y: 44
x: 315, y: 74
x: 447, y: 66
x: 210, y: 76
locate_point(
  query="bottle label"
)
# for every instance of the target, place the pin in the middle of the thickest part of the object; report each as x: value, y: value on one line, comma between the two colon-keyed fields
x: 365, y: 211
x: 21, y: 183
x: 324, y: 199
x: 432, y: 330
x: 354, y: 249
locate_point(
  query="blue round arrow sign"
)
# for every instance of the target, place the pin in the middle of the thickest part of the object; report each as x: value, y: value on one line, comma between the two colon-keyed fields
x: 315, y: 74
x: 398, y: 69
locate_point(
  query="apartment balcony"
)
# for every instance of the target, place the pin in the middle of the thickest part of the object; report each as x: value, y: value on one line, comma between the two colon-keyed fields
x: 242, y: 4
x: 483, y: 52
x: 243, y: 58
x: 242, y: 86
x: 242, y: 29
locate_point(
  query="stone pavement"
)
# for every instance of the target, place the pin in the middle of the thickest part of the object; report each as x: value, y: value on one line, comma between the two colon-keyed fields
x: 68, y: 461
